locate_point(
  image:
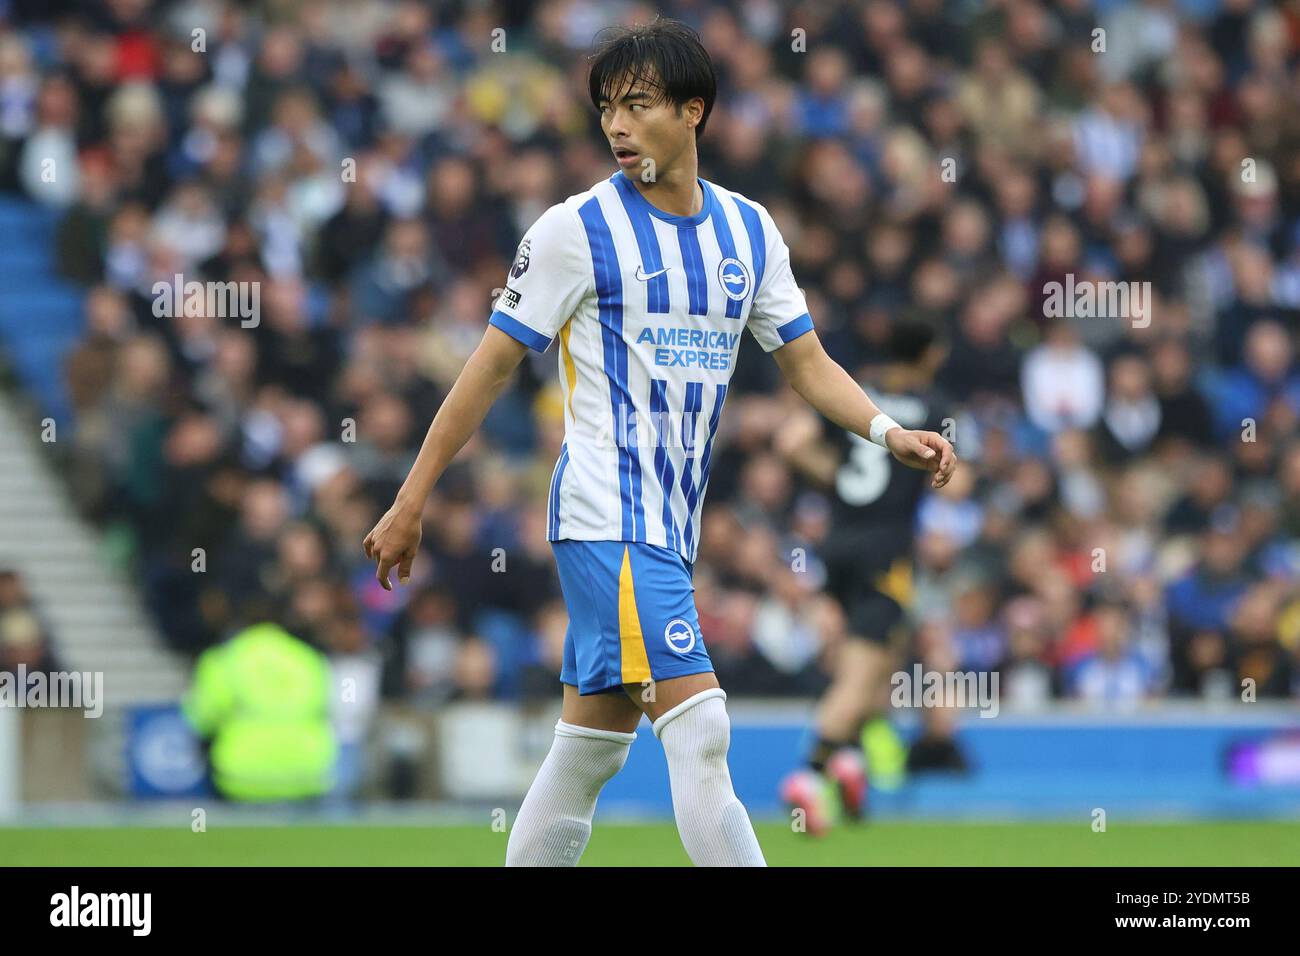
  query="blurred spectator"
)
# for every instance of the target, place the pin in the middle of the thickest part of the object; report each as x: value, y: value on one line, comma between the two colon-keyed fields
x: 263, y: 701
x: 24, y: 641
x: 1115, y: 674
x: 356, y: 668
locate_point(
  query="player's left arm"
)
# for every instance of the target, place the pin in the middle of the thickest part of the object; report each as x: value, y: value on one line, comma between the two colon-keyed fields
x: 824, y: 385
x: 780, y: 322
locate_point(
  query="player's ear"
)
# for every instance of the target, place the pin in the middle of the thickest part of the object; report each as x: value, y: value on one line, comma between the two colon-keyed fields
x: 692, y: 111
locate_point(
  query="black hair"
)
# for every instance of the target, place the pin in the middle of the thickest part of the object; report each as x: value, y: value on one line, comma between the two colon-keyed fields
x: 260, y: 607
x: 909, y: 339
x: 1107, y: 598
x: 666, y: 56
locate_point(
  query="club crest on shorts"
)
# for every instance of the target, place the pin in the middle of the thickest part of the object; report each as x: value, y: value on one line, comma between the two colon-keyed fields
x: 679, y: 635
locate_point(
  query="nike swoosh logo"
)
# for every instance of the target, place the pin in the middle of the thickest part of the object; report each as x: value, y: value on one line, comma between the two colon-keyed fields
x: 640, y: 274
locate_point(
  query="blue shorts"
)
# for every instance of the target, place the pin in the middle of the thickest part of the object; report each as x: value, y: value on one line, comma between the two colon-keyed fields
x: 632, y: 615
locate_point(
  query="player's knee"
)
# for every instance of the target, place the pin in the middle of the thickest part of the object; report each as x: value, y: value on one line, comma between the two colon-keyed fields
x: 596, y: 755
x: 712, y: 745
x: 861, y: 664
x: 697, y: 729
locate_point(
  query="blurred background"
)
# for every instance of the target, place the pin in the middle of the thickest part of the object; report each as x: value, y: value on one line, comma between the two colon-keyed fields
x: 165, y: 482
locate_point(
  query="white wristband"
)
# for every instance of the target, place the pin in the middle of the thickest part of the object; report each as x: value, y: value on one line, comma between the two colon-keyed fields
x: 879, y: 425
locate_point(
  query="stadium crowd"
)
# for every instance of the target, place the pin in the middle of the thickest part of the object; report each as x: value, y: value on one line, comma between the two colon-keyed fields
x: 1126, y: 520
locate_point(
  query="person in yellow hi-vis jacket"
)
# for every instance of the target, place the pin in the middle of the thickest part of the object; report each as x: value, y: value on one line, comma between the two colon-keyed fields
x: 263, y: 699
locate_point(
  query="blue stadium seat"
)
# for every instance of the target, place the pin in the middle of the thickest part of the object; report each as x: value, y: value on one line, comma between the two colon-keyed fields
x: 41, y: 314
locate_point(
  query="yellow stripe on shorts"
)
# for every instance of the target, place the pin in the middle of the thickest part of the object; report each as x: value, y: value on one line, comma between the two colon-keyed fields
x: 635, y: 664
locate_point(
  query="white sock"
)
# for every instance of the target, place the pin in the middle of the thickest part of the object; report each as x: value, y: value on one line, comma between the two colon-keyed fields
x: 554, y: 821
x: 713, y: 824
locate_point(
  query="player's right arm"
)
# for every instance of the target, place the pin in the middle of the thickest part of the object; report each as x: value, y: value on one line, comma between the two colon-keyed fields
x: 396, y: 538
x: 549, y: 278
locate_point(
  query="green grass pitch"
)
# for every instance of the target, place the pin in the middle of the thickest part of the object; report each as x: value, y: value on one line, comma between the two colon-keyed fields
x: 618, y: 844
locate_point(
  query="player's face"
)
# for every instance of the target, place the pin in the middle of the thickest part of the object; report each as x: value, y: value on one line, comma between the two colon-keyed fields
x: 647, y: 134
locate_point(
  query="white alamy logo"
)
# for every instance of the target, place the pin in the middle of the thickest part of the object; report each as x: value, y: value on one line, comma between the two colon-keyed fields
x: 628, y: 428
x: 219, y: 300
x: 72, y: 690
x: 1098, y: 300
x: 103, y: 909
x: 922, y: 688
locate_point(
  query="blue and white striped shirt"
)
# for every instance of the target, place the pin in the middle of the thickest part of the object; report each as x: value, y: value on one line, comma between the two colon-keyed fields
x: 648, y: 308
